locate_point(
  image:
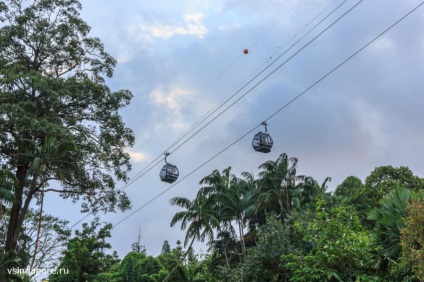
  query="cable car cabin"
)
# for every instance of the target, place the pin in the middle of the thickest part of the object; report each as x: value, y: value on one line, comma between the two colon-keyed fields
x: 169, y: 173
x: 262, y: 142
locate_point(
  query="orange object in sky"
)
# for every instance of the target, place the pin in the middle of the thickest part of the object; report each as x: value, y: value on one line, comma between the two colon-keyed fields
x: 246, y: 51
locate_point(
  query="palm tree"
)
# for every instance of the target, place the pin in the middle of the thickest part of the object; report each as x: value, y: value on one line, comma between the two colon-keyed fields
x: 234, y: 206
x: 201, y: 221
x: 278, y: 185
x: 198, y: 218
x: 389, y: 221
x: 225, y: 248
x: 308, y: 189
x: 226, y: 194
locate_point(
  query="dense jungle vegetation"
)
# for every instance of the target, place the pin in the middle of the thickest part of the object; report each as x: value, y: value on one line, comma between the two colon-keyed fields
x: 279, y: 226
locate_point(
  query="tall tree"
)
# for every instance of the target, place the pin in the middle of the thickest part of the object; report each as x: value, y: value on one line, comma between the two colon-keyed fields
x: 225, y: 194
x: 166, y: 248
x: 85, y: 255
x: 379, y: 184
x: 349, y: 187
x: 279, y: 186
x: 52, y: 85
x: 137, y: 246
x: 200, y: 218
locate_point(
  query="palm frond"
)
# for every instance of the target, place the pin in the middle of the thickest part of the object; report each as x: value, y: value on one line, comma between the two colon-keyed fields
x: 181, y: 202
x: 389, y: 218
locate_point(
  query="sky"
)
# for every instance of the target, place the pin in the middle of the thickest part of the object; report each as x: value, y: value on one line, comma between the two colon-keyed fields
x: 181, y: 59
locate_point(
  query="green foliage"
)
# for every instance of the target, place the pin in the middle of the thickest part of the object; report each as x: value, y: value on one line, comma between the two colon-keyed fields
x: 226, y: 205
x: 192, y: 269
x: 8, y: 261
x: 389, y: 221
x: 109, y: 277
x: 166, y: 248
x: 178, y: 251
x: 137, y: 246
x: 391, y: 176
x: 128, y: 265
x: 85, y: 257
x: 8, y: 181
x: 53, y: 92
x: 54, y: 235
x: 380, y: 183
x: 140, y: 267
x: 412, y: 239
x: 262, y: 263
x: 277, y: 185
x: 149, y: 269
x: 349, y: 187
x: 340, y: 248
x: 200, y: 217
x: 224, y: 193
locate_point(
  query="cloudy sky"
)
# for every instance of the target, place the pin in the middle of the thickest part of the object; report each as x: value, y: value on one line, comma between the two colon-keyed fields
x: 181, y: 59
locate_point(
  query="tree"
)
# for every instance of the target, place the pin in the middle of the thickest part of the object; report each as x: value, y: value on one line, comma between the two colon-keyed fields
x: 262, y: 262
x: 189, y: 270
x: 137, y: 246
x: 52, y: 86
x: 412, y: 240
x: 58, y: 156
x: 276, y: 181
x: 225, y: 193
x: 201, y: 219
x: 385, y: 179
x: 393, y: 176
x: 53, y: 237
x: 389, y: 219
x: 381, y: 182
x: 280, y: 189
x: 349, y: 187
x: 128, y: 265
x: 85, y: 255
x: 166, y: 248
x: 149, y: 269
x: 340, y: 250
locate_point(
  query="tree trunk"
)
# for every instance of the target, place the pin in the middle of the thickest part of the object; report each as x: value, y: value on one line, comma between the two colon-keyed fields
x: 280, y: 202
x: 18, y: 213
x: 225, y: 255
x: 15, y: 211
x: 287, y: 198
x: 241, y: 227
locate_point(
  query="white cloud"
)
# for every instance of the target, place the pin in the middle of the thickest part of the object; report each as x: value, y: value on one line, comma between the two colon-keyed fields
x: 124, y: 56
x: 193, y: 25
x: 235, y: 25
x: 136, y: 156
x: 384, y: 44
x: 171, y: 99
